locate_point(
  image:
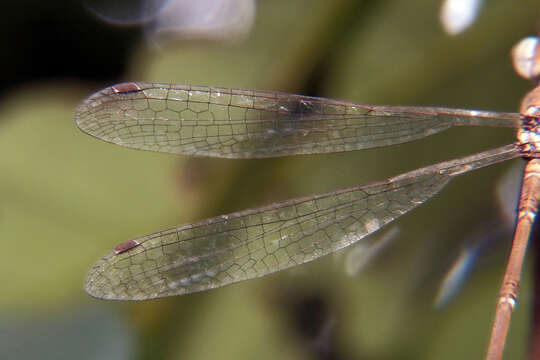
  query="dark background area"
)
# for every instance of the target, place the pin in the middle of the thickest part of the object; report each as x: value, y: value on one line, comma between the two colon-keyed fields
x: 67, y: 198
x: 61, y: 40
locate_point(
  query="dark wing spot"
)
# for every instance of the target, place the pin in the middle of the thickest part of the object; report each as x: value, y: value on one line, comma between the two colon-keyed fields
x: 125, y: 246
x: 125, y: 88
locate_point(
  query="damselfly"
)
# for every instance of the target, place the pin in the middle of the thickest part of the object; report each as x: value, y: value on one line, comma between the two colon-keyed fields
x: 240, y: 124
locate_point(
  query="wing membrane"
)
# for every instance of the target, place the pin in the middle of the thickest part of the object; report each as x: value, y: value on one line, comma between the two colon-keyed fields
x: 256, y: 242
x: 235, y: 123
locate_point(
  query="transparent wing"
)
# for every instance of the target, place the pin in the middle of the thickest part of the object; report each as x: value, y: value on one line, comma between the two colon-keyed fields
x: 234, y: 123
x: 257, y: 242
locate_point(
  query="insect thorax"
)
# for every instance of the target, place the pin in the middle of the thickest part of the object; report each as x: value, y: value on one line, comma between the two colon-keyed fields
x: 529, y: 132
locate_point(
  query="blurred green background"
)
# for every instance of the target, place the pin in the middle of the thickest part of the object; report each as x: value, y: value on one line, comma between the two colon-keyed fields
x: 67, y: 198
